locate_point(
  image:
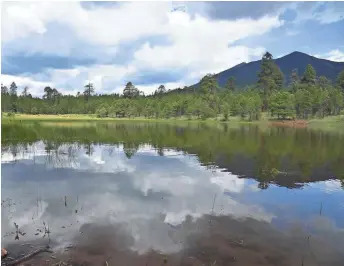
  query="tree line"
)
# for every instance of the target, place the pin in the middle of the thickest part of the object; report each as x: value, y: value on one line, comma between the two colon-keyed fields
x: 299, y: 97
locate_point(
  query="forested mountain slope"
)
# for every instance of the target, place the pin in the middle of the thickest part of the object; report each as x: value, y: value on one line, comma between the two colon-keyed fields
x: 246, y: 73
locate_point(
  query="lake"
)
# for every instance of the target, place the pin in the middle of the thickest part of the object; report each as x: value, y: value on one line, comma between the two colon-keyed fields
x: 162, y: 194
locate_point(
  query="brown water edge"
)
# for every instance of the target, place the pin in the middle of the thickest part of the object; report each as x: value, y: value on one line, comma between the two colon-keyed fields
x: 289, y: 123
x: 209, y: 241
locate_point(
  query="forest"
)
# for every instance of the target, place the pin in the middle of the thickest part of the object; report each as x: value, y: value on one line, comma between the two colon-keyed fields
x: 299, y: 97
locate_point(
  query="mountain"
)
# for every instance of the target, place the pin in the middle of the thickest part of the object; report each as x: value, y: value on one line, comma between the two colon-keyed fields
x: 246, y: 73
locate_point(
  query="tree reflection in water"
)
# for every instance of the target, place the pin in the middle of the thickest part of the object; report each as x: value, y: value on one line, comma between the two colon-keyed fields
x: 287, y: 157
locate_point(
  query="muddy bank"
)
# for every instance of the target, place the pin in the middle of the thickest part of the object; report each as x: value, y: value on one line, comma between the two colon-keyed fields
x: 205, y: 241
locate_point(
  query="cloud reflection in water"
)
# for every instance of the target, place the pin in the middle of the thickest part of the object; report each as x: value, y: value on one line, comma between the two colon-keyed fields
x: 148, y: 193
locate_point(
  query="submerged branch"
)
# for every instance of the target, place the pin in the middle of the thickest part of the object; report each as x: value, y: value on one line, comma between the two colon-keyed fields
x: 28, y: 256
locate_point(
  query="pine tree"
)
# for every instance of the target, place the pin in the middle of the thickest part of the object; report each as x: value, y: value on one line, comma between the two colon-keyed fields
x: 13, y: 94
x: 310, y: 75
x: 340, y: 80
x: 25, y: 91
x: 161, y: 89
x: 88, y: 90
x: 48, y: 92
x: 13, y: 89
x: 294, y: 80
x: 324, y: 82
x: 270, y: 78
x: 130, y: 91
x: 230, y: 86
x: 4, y: 89
x: 208, y: 84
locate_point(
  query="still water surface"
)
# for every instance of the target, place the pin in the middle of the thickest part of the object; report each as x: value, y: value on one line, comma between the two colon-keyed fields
x: 155, y: 194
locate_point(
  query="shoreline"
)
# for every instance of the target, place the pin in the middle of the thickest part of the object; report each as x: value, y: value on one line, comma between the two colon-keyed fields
x: 331, y: 123
x: 93, y: 117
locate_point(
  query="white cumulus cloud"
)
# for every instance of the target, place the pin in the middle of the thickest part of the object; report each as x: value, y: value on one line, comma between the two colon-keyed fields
x: 334, y: 55
x: 194, y: 42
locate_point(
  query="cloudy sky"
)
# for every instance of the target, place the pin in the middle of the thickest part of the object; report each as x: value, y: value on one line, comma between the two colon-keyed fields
x: 66, y: 44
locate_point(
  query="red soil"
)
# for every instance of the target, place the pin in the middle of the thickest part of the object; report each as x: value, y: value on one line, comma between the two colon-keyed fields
x: 290, y: 123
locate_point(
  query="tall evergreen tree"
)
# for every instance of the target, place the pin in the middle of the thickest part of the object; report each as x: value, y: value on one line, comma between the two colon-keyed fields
x: 4, y: 89
x: 208, y: 84
x: 5, y: 99
x: 161, y: 89
x: 294, y: 80
x: 270, y: 78
x: 130, y: 91
x: 48, y: 93
x: 268, y: 56
x: 230, y: 86
x: 340, y: 80
x: 310, y: 75
x: 13, y: 89
x: 89, y: 90
x: 14, y: 96
x: 324, y: 82
x: 25, y: 91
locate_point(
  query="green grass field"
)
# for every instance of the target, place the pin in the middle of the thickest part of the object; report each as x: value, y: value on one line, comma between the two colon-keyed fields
x: 330, y: 123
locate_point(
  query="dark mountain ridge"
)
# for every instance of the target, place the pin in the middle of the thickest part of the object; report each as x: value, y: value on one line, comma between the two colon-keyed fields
x: 246, y: 73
